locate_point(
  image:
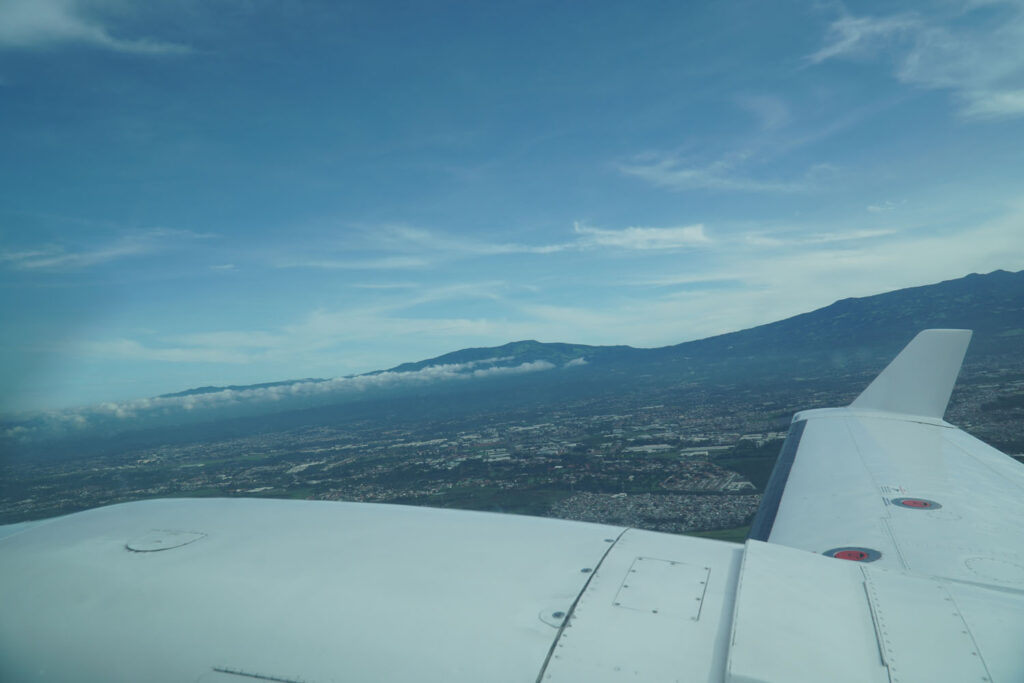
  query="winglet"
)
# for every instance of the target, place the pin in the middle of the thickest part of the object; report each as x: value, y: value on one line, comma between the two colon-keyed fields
x: 920, y: 379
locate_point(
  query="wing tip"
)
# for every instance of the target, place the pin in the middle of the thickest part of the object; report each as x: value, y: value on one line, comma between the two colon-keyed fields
x: 920, y: 380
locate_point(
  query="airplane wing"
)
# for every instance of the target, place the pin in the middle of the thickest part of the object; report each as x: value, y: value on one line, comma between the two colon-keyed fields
x: 888, y: 481
x: 247, y: 590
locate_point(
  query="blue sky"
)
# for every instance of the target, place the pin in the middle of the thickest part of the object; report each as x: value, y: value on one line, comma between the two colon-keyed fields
x: 237, y: 191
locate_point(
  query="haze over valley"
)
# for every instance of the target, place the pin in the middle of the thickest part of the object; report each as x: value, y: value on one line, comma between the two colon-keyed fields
x: 676, y: 439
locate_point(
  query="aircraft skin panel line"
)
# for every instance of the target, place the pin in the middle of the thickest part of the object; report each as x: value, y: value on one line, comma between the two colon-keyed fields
x: 889, y: 548
x: 569, y: 615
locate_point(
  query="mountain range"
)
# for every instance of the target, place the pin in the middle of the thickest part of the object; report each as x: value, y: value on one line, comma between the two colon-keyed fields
x: 869, y: 327
x: 844, y: 343
x: 851, y: 332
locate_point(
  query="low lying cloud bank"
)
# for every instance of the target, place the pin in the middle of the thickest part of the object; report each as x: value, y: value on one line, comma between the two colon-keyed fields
x: 209, y: 405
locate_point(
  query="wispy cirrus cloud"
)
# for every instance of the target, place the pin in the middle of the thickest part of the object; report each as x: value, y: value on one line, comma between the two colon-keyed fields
x: 408, y: 237
x: 643, y: 239
x: 396, y: 247
x: 386, y: 285
x: 64, y: 257
x: 755, y: 161
x: 851, y: 36
x: 130, y: 349
x: 970, y: 49
x: 728, y: 173
x: 881, y: 207
x: 371, y: 263
x: 685, y: 281
x: 771, y: 112
x: 46, y: 24
x: 802, y: 238
x: 584, y: 237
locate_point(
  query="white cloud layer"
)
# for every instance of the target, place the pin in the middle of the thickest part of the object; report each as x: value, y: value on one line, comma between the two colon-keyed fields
x: 64, y: 422
x: 44, y: 24
x: 978, y: 59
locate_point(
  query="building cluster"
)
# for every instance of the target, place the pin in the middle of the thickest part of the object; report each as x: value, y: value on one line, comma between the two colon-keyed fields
x: 670, y: 513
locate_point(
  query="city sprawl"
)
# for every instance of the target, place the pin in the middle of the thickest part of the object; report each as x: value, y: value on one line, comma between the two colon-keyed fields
x: 692, y: 460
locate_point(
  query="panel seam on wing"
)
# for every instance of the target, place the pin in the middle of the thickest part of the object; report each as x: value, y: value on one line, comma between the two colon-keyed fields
x: 572, y: 607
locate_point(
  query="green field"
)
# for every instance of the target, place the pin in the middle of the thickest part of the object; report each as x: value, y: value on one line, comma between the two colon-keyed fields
x: 492, y: 499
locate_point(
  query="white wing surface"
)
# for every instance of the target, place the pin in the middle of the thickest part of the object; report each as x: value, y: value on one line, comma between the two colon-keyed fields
x: 242, y: 590
x: 933, y: 517
x: 223, y: 591
x: 908, y: 490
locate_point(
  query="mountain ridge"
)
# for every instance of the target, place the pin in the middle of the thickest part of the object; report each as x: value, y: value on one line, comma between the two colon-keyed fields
x: 991, y: 304
x: 856, y: 328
